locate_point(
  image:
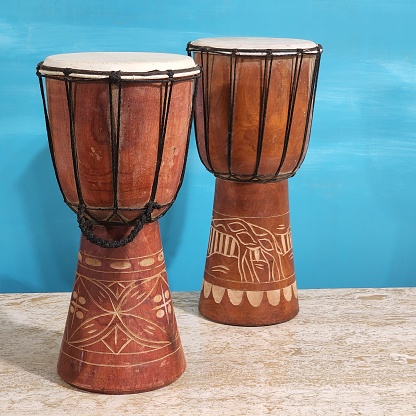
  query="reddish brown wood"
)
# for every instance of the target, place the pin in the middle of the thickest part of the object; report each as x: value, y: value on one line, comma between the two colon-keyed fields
x: 249, y: 274
x: 121, y: 334
x: 248, y: 94
x: 139, y: 137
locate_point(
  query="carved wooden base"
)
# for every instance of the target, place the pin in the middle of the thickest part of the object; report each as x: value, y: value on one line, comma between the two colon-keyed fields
x: 249, y: 274
x: 121, y: 334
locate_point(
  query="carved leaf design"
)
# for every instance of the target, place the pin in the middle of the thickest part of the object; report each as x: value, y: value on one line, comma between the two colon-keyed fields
x: 245, y: 238
x: 266, y: 244
x: 236, y: 227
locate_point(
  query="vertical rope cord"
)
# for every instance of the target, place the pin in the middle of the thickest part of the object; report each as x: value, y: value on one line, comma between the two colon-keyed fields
x: 85, y: 219
x: 296, y: 55
x: 145, y: 217
x: 185, y: 157
x: 267, y: 75
x: 292, y: 101
x: 85, y: 224
x: 206, y: 105
x: 49, y: 133
x: 71, y: 111
x: 311, y: 102
x: 115, y: 78
x: 197, y: 90
x: 162, y: 131
x: 231, y: 105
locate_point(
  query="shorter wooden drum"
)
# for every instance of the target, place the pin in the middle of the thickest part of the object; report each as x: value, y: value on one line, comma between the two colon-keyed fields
x: 253, y: 117
x: 118, y: 126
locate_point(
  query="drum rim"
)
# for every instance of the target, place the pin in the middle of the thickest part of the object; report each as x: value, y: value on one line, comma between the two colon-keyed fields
x: 75, y: 72
x: 258, y: 51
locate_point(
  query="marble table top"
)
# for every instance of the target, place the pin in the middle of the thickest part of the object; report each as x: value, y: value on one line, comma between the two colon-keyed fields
x: 348, y: 352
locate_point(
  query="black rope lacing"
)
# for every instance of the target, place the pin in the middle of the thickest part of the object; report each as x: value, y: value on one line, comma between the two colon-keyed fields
x: 85, y: 214
x: 207, y: 55
x: 86, y: 226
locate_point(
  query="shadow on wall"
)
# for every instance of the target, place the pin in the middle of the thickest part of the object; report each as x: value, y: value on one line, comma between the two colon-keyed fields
x: 52, y: 229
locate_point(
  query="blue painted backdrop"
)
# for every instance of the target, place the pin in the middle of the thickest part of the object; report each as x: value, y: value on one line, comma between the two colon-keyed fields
x: 352, y: 202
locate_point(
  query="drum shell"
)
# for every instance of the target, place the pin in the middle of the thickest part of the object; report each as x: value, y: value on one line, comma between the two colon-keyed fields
x: 88, y: 152
x: 121, y: 334
x: 235, y: 142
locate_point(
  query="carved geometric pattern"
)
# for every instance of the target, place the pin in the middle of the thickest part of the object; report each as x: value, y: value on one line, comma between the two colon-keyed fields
x: 257, y: 251
x: 120, y: 317
x: 117, y: 266
x: 255, y: 297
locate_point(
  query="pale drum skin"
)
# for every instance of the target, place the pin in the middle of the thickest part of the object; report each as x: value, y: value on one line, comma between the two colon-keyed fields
x: 121, y: 334
x: 249, y: 276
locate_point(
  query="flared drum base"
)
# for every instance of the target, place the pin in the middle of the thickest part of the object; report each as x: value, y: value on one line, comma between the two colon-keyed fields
x: 248, y: 308
x: 249, y: 276
x: 121, y: 334
x: 123, y: 380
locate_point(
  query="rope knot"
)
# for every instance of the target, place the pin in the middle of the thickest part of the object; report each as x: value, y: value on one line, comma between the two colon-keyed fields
x: 115, y: 77
x: 148, y: 210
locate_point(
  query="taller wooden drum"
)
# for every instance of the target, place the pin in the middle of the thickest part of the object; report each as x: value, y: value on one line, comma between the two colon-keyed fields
x: 253, y: 118
x: 118, y: 126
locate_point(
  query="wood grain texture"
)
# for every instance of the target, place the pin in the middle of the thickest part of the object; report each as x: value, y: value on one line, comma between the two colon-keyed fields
x: 116, y: 147
x: 121, y: 334
x: 249, y: 276
x: 226, y: 94
x: 252, y: 118
x: 348, y: 352
x: 141, y: 109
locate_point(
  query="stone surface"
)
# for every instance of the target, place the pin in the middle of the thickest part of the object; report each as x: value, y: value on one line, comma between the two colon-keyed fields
x: 348, y: 352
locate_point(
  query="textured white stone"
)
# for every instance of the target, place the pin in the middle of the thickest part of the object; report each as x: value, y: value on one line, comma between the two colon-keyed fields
x: 348, y: 352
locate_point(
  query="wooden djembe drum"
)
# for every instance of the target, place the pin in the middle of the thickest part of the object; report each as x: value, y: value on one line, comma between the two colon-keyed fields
x: 253, y: 116
x: 118, y: 126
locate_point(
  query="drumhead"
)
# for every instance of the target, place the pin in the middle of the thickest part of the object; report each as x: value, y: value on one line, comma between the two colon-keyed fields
x: 132, y: 65
x: 253, y: 45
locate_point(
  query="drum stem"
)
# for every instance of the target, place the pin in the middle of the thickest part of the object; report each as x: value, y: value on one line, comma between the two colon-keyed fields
x: 121, y: 334
x: 249, y: 274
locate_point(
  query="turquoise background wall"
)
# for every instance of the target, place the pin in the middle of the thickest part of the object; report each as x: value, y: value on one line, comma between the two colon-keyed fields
x: 352, y: 202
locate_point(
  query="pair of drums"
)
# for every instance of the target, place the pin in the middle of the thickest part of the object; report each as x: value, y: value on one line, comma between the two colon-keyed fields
x: 118, y: 127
